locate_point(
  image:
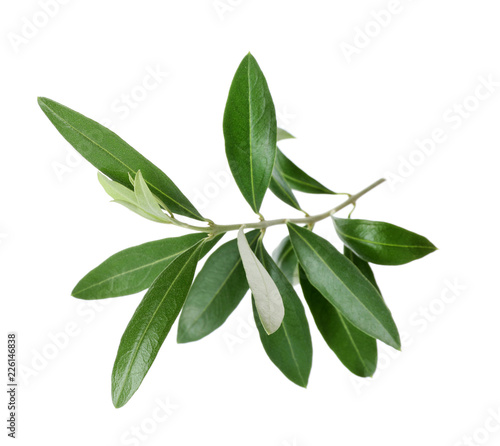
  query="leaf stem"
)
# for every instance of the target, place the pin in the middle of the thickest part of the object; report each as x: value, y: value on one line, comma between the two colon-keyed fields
x: 215, y: 229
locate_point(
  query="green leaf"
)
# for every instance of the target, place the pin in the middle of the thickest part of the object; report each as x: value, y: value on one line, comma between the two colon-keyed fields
x: 343, y: 285
x: 290, y: 347
x: 250, y: 131
x: 216, y: 292
x: 285, y: 258
x: 356, y: 350
x: 134, y: 269
x: 363, y: 266
x: 139, y: 211
x: 113, y: 156
x: 145, y: 198
x: 116, y: 190
x: 382, y: 243
x: 283, y: 134
x: 265, y: 292
x: 296, y: 178
x: 282, y: 190
x: 150, y: 325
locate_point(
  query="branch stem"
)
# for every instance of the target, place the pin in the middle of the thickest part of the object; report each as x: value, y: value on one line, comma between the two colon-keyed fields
x: 215, y: 229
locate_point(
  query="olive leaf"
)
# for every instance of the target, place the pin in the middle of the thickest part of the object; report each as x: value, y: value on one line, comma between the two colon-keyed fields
x: 265, y: 292
x: 216, y: 292
x: 290, y: 347
x: 282, y: 190
x: 250, y: 131
x: 355, y: 349
x: 134, y: 269
x: 343, y: 285
x: 113, y: 156
x: 283, y: 134
x: 285, y: 258
x: 382, y: 243
x: 151, y: 324
x: 141, y: 200
x: 296, y: 178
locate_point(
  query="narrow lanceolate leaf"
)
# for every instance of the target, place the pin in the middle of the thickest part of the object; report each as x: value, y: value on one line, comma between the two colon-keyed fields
x: 290, y: 347
x: 296, y: 178
x: 355, y: 349
x: 113, y: 156
x: 265, y: 292
x: 134, y: 269
x: 343, y: 285
x: 216, y: 292
x: 250, y: 131
x: 148, y: 208
x: 150, y: 325
x: 363, y: 266
x: 283, y: 134
x: 115, y: 190
x: 382, y: 243
x: 285, y: 258
x: 145, y: 198
x: 282, y: 190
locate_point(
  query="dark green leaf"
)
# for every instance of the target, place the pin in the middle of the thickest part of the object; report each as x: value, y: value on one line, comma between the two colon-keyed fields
x: 134, y: 269
x: 283, y: 134
x: 296, y: 178
x: 290, y: 347
x: 355, y: 349
x: 113, y: 156
x: 363, y: 266
x: 343, y: 285
x: 216, y: 292
x: 282, y: 190
x: 150, y: 325
x: 285, y: 258
x: 382, y: 243
x: 250, y: 131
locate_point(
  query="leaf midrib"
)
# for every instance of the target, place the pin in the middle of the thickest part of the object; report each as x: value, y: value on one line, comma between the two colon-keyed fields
x: 250, y: 130
x: 392, y: 245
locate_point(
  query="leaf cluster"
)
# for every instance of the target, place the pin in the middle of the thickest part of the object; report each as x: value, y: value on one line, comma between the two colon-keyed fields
x: 338, y: 287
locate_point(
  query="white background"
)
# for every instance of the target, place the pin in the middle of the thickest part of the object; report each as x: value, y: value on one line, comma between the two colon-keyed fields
x: 356, y: 119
